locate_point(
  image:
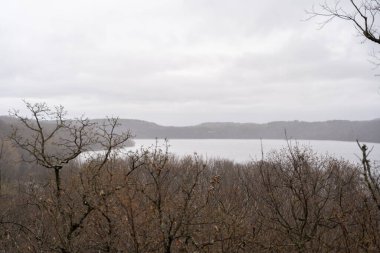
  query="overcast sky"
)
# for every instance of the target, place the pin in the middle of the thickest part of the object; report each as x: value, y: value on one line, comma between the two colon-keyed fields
x: 183, y: 62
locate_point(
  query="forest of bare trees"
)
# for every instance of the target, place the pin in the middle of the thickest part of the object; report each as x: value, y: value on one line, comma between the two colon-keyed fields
x: 293, y: 200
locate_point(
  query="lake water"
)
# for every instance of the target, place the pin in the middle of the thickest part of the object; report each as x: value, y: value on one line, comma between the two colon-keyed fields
x: 247, y: 150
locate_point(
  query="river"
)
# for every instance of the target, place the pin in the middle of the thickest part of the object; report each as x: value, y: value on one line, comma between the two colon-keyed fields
x: 243, y: 150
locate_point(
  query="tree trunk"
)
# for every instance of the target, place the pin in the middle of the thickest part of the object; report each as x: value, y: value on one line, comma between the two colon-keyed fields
x: 57, y: 181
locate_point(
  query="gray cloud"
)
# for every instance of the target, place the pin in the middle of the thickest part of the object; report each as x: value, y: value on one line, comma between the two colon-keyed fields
x: 184, y: 62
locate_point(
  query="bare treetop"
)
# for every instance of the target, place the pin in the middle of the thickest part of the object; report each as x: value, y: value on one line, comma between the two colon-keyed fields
x: 51, y: 144
x: 51, y: 140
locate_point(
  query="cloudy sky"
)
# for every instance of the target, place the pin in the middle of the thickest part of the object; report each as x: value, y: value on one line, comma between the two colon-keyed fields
x: 183, y: 62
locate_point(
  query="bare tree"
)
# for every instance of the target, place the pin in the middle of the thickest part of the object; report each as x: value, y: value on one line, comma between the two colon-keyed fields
x: 365, y: 17
x: 52, y: 141
x: 363, y: 14
x: 371, y: 178
x: 49, y: 138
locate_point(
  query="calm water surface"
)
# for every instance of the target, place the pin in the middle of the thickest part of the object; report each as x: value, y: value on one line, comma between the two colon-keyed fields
x: 248, y: 150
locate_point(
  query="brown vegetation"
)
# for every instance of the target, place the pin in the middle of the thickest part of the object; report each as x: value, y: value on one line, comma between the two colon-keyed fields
x: 293, y: 201
x: 150, y: 201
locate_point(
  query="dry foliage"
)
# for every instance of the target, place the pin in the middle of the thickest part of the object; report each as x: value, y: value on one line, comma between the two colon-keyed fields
x: 150, y: 201
x: 292, y: 201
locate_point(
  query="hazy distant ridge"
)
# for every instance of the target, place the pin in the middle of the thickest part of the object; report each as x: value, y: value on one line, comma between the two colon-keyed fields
x: 340, y: 130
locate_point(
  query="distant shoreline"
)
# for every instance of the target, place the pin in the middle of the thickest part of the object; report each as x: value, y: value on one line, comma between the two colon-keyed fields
x: 274, y: 139
x: 332, y: 130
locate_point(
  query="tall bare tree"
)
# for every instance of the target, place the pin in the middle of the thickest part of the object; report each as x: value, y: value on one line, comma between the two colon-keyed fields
x: 371, y: 176
x: 52, y: 141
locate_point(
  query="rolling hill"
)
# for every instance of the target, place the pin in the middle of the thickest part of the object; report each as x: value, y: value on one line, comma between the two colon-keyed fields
x: 338, y: 130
